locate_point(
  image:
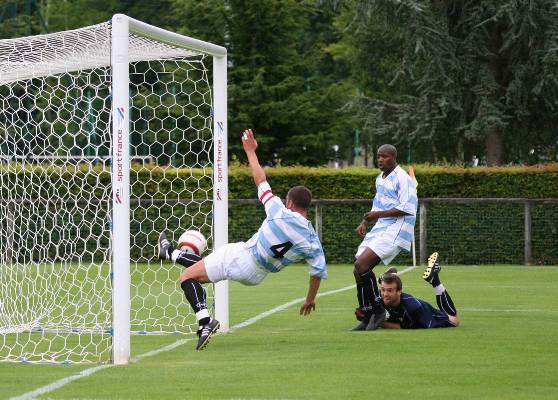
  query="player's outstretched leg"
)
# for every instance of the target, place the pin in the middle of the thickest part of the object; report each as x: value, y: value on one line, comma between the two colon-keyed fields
x: 167, y: 252
x: 196, y: 296
x: 443, y: 299
x: 432, y: 270
x: 165, y: 247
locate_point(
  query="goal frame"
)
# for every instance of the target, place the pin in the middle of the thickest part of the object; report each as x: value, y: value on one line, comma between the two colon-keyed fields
x: 122, y: 27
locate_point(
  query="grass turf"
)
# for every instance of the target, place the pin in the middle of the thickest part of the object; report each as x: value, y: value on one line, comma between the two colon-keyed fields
x: 506, y: 347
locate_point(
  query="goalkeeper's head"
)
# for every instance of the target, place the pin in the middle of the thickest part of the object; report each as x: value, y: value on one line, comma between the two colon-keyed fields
x: 299, y: 198
x: 391, y: 289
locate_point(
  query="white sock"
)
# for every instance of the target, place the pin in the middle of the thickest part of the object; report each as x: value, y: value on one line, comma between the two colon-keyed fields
x: 175, y: 254
x: 439, y: 289
x: 202, y: 314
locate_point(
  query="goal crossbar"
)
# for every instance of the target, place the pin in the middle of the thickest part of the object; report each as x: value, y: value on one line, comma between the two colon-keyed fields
x: 17, y: 65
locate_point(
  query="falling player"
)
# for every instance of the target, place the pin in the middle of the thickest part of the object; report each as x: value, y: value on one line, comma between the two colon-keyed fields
x: 285, y: 236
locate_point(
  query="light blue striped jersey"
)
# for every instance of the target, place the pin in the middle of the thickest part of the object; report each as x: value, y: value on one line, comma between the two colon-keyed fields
x: 285, y: 237
x: 397, y: 190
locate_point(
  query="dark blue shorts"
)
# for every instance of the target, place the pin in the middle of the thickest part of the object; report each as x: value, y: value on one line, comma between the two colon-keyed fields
x: 440, y: 319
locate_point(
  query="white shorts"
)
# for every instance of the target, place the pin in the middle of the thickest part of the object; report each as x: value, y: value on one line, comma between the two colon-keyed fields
x: 383, y: 248
x: 233, y: 261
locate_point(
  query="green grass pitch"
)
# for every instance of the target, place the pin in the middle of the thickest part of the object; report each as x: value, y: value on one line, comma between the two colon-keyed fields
x: 506, y: 347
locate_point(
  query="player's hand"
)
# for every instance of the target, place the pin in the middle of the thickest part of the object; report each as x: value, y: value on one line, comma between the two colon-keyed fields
x: 248, y: 141
x: 361, y: 229
x: 371, y: 216
x: 307, y: 307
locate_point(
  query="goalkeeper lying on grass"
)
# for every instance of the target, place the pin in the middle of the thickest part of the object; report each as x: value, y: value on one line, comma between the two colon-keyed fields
x: 407, y: 312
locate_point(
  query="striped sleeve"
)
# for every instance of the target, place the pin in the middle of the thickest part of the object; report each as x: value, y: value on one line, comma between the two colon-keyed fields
x: 407, y: 194
x: 317, y: 263
x: 272, y: 204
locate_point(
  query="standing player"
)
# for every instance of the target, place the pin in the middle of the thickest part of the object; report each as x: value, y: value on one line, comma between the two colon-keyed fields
x: 408, y: 312
x: 393, y: 218
x: 286, y: 236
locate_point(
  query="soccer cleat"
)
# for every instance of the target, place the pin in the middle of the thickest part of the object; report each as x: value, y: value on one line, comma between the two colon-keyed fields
x: 205, y: 332
x: 360, y: 315
x: 165, y: 247
x: 391, y: 270
x: 433, y: 268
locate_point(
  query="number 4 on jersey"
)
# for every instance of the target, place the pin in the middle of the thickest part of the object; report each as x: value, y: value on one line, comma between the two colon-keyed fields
x: 280, y: 249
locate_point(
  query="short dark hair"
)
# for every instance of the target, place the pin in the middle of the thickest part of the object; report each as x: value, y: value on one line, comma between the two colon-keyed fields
x: 388, y: 148
x: 301, y: 196
x: 391, y: 278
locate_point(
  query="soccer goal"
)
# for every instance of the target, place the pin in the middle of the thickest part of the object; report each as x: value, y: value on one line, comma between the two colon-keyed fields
x: 108, y: 135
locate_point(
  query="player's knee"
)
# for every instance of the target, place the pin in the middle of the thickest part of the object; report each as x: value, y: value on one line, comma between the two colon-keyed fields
x: 360, y: 267
x: 185, y: 275
x: 196, y: 272
x: 357, y: 275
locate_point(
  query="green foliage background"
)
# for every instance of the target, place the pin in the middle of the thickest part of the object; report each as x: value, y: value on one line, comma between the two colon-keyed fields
x: 443, y: 80
x: 463, y: 233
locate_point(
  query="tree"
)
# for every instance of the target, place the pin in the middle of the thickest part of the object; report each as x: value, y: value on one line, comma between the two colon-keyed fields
x: 479, y: 73
x: 21, y: 18
x: 282, y: 80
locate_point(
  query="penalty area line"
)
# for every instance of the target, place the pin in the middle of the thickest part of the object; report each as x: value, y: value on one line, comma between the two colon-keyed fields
x: 90, y: 371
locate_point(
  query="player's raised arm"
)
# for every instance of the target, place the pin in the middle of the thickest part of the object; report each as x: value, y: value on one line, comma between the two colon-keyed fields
x: 250, y: 146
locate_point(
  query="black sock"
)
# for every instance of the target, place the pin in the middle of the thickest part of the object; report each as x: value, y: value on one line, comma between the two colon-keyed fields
x: 359, y: 296
x: 367, y: 289
x: 445, y: 303
x: 435, y: 281
x: 187, y: 259
x: 195, y: 294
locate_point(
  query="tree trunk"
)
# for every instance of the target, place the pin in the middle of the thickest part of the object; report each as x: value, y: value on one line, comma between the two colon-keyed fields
x: 459, y: 153
x: 494, y: 146
x: 501, y: 71
x: 434, y: 154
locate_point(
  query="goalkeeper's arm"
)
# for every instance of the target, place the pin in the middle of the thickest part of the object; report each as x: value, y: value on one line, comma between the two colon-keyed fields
x: 250, y: 146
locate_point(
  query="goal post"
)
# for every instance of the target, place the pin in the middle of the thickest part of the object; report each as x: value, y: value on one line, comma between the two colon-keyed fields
x: 108, y: 135
x: 122, y: 26
x: 121, y: 305
x: 220, y: 183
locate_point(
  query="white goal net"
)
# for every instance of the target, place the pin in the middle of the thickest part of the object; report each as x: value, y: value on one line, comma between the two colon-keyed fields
x: 64, y: 167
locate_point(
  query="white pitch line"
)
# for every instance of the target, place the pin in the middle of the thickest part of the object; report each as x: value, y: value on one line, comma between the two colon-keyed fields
x: 291, y: 303
x: 511, y: 310
x: 90, y: 371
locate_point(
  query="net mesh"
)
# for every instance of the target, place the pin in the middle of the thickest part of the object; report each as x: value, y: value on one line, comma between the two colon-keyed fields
x: 55, y: 189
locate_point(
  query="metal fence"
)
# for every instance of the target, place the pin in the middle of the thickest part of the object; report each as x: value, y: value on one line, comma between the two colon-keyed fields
x: 490, y: 230
x: 464, y: 231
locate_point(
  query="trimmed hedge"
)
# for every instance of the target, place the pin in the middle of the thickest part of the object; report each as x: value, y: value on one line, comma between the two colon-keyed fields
x: 434, y: 181
x: 325, y: 183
